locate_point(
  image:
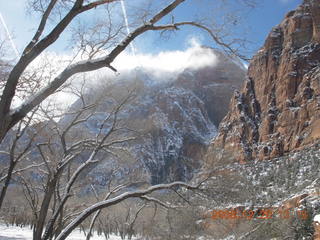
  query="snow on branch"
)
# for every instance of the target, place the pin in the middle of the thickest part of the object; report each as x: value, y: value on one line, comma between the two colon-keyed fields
x: 110, y: 202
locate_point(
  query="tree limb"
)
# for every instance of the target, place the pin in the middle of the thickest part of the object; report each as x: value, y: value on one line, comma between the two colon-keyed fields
x: 82, y: 66
x: 110, y: 202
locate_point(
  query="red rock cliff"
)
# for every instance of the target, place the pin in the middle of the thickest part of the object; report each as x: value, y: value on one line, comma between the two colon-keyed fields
x: 278, y: 108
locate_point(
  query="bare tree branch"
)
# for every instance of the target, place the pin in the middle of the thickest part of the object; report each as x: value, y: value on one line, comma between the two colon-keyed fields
x: 9, y: 119
x: 157, y: 201
x: 21, y: 170
x: 42, y: 25
x: 103, y: 204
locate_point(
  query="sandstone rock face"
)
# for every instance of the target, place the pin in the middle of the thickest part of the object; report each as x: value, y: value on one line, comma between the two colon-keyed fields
x: 278, y: 108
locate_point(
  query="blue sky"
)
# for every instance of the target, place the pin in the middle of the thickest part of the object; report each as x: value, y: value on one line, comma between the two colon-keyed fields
x: 256, y: 23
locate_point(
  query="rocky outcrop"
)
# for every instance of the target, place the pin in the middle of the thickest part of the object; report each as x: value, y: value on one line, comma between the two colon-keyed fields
x: 214, y: 85
x: 278, y: 108
x: 175, y: 127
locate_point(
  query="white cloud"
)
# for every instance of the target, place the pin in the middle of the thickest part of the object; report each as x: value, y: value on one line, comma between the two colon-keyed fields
x: 168, y: 62
x: 163, y: 66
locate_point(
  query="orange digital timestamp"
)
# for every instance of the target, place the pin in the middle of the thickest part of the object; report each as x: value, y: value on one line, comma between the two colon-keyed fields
x: 266, y: 213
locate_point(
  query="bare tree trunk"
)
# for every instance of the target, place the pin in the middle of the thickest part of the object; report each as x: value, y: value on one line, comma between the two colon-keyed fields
x: 60, y: 224
x: 94, y: 218
x: 7, y: 181
x: 44, y: 208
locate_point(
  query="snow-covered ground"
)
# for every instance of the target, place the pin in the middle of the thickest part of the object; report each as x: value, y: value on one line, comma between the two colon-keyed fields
x: 17, y: 233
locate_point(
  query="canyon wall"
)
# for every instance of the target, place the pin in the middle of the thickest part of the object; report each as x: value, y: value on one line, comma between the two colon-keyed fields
x: 278, y: 109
